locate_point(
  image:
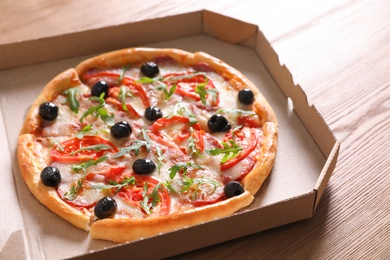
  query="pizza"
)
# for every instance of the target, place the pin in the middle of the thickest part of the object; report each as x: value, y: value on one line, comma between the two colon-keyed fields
x: 142, y: 141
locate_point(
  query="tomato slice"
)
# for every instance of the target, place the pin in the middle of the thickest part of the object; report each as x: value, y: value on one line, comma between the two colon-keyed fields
x: 248, y: 145
x: 134, y: 194
x: 77, y: 150
x: 130, y: 109
x: 133, y: 85
x: 249, y: 121
x: 163, y: 122
x: 186, y: 86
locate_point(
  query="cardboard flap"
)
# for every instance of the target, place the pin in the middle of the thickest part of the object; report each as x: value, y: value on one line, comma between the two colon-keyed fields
x: 326, y: 173
x: 227, y: 29
x: 106, y: 39
x: 14, y: 247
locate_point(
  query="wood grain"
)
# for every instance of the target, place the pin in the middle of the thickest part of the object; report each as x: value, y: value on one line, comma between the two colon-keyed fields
x: 339, y: 52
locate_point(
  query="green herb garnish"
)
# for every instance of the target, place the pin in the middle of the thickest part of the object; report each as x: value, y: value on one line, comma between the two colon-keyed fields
x: 96, y: 147
x: 73, y: 102
x: 146, y: 204
x: 71, y: 195
x: 182, y: 167
x: 181, y: 110
x: 230, y: 150
x: 85, y: 165
x: 115, y: 185
x: 136, y: 146
x: 99, y: 111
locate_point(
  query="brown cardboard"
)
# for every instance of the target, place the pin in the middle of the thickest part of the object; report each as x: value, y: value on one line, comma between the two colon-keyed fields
x: 306, y: 157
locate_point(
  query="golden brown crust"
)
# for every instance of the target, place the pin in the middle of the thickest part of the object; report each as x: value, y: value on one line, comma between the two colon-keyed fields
x: 121, y: 230
x: 61, y: 82
x: 124, y: 230
x: 32, y: 159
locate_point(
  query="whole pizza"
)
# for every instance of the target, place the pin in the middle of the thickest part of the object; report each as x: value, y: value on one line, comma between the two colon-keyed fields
x: 142, y: 141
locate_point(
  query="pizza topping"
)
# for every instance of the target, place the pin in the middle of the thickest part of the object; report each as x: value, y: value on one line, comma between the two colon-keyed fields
x: 230, y: 150
x: 73, y: 102
x: 80, y: 150
x: 105, y: 207
x: 218, y: 123
x: 99, y: 88
x: 51, y: 176
x: 246, y: 96
x: 150, y: 69
x: 147, y: 194
x: 143, y: 166
x: 153, y: 113
x: 233, y: 188
x: 121, y: 130
x: 48, y: 111
x: 99, y: 111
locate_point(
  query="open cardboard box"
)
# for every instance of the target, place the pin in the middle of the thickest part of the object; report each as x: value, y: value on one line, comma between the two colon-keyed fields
x: 307, y: 150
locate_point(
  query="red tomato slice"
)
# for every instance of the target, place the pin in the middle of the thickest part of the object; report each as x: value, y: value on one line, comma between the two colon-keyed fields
x: 248, y: 146
x: 135, y: 86
x: 165, y: 122
x: 130, y: 109
x: 73, y: 150
x: 186, y: 86
x: 249, y: 121
x: 134, y: 193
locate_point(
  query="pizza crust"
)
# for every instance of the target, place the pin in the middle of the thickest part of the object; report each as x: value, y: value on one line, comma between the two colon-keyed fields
x: 126, y: 230
x: 63, y: 81
x: 120, y: 230
x: 32, y: 160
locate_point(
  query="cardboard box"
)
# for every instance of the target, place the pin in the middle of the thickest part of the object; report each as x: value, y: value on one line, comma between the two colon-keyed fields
x: 307, y: 151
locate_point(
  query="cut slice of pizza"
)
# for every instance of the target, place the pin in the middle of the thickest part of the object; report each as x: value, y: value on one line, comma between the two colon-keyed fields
x: 142, y: 141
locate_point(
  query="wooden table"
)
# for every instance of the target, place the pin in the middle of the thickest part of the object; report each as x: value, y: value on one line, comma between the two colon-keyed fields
x: 339, y: 52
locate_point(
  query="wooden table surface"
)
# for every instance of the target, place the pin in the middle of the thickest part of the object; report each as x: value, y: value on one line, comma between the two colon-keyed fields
x: 339, y: 52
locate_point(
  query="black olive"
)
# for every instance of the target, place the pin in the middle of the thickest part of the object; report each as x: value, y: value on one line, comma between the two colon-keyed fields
x: 150, y: 69
x: 246, y: 96
x: 120, y: 130
x: 51, y: 176
x: 143, y: 166
x: 233, y: 188
x: 218, y: 123
x: 105, y: 207
x: 48, y: 111
x: 100, y: 87
x: 153, y: 113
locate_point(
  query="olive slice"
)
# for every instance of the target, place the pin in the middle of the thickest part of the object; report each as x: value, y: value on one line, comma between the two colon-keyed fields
x: 121, y: 130
x: 218, y: 123
x: 233, y: 188
x: 48, y: 111
x: 246, y: 96
x: 100, y: 87
x: 153, y: 113
x: 50, y: 176
x: 105, y: 207
x: 143, y: 166
x: 150, y: 69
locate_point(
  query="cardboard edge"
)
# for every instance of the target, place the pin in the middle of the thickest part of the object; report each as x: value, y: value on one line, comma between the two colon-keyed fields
x: 250, y: 222
x: 326, y: 173
x: 307, y: 113
x: 215, y: 24
x: 46, y: 49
